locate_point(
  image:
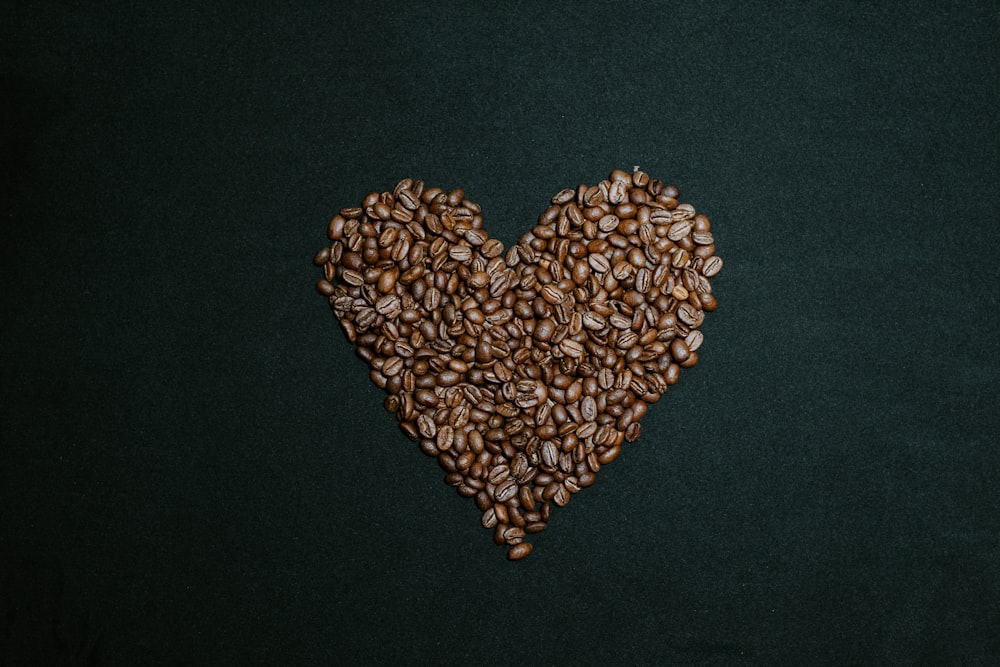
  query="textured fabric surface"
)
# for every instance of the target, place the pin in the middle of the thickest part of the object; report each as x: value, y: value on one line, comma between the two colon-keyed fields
x: 196, y: 470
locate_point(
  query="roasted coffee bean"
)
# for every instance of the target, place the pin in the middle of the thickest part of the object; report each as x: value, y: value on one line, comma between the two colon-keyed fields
x: 519, y: 551
x: 505, y: 491
x: 693, y: 340
x: 571, y: 348
x: 712, y: 266
x: 534, y: 527
x: 633, y: 432
x: 679, y: 230
x: 599, y: 263
x: 513, y: 535
x: 689, y: 315
x: 679, y: 350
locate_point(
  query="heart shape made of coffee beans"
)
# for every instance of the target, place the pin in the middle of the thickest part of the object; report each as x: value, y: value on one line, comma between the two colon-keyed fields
x: 522, y: 371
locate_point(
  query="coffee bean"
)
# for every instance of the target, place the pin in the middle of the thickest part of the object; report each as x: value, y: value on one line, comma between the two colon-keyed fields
x: 599, y: 263
x: 712, y: 266
x: 708, y: 302
x: 593, y: 321
x: 445, y: 437
x: 571, y: 348
x: 505, y: 491
x: 689, y: 315
x: 608, y: 223
x: 679, y: 350
x: 513, y: 535
x: 519, y: 551
x: 427, y: 398
x: 643, y: 280
x: 627, y: 340
x: 550, y: 454
x: 633, y: 432
x: 702, y: 238
x: 694, y: 340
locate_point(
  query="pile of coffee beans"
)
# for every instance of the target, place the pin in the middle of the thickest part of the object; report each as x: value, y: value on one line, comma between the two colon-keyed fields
x: 522, y: 371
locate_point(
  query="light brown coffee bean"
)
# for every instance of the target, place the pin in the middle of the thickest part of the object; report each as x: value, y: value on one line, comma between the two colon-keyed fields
x: 643, y: 280
x: 693, y: 340
x: 712, y: 266
x: 608, y: 223
x: 476, y: 237
x: 679, y: 230
x: 689, y: 315
x: 599, y: 263
x: 550, y: 454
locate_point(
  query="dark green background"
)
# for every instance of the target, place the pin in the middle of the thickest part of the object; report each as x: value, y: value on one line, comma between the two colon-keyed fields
x: 196, y: 470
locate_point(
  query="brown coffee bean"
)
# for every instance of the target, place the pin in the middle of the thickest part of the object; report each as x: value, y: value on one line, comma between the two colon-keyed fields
x: 605, y: 378
x: 426, y: 426
x: 708, y: 302
x: 599, y: 263
x: 505, y: 491
x: 627, y: 340
x: 519, y: 551
x: 553, y: 294
x: 609, y: 455
x: 608, y: 223
x: 689, y: 315
x: 712, y: 266
x: 679, y: 230
x: 498, y: 474
x: 550, y: 454
x: 571, y: 348
x: 445, y: 437
x: 643, y: 280
x: 513, y: 535
x: 693, y: 340
x: 460, y: 253
x: 544, y: 330
x: 679, y: 350
x: 427, y: 398
x: 633, y: 432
